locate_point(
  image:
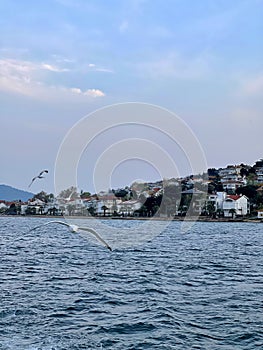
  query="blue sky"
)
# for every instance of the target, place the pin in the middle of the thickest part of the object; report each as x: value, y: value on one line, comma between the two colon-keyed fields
x: 63, y: 59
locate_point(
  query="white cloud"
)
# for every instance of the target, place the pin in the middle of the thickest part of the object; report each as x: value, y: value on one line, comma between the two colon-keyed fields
x: 89, y: 92
x: 22, y: 77
x: 76, y: 90
x: 94, y: 93
x: 16, y: 76
x: 96, y: 68
x: 12, y: 67
x: 106, y: 70
x: 53, y: 68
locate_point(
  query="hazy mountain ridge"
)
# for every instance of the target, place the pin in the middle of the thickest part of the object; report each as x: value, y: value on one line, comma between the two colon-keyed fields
x: 9, y: 193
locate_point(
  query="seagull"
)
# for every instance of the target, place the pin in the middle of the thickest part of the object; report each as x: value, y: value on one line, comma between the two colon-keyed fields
x: 39, y: 176
x: 75, y: 229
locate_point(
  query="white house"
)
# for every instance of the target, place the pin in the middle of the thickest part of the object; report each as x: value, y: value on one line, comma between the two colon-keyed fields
x: 128, y: 208
x: 217, y: 199
x: 107, y: 204
x: 230, y: 170
x: 3, y: 207
x: 259, y: 173
x: 232, y: 185
x: 236, y: 205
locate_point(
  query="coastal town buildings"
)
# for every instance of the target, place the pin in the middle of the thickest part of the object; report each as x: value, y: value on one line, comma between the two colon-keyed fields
x: 233, y: 191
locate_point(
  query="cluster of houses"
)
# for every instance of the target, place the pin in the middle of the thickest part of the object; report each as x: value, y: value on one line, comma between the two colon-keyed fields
x: 225, y: 202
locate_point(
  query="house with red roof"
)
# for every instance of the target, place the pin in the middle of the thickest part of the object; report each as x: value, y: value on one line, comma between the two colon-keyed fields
x: 236, y: 205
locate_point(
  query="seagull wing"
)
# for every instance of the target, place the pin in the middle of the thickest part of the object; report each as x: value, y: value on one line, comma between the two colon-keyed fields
x: 48, y: 223
x: 94, y: 233
x: 42, y: 172
x: 32, y: 181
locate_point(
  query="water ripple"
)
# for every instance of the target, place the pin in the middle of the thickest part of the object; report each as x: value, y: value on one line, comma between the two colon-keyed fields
x: 201, y: 290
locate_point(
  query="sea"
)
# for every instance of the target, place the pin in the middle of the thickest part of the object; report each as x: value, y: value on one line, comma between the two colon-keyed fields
x: 200, y: 289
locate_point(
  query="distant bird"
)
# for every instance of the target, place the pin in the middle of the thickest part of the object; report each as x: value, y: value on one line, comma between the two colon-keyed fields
x: 39, y: 176
x: 75, y: 229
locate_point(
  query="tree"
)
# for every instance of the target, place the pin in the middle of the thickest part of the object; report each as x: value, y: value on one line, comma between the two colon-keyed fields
x: 250, y: 191
x: 104, y: 208
x: 92, y: 210
x: 151, y: 205
x: 220, y: 212
x: 43, y: 196
x: 251, y: 178
x: 12, y: 209
x: 121, y: 193
x: 71, y: 193
x: 84, y: 195
x: 233, y: 212
x: 211, y: 209
x: 30, y: 211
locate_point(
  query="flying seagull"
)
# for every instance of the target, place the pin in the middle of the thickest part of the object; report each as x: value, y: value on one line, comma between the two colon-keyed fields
x: 75, y: 229
x: 39, y: 176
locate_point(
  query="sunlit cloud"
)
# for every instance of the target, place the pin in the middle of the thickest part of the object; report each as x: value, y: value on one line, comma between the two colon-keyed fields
x: 89, y: 92
x: 53, y: 68
x: 23, y: 77
x: 11, y: 66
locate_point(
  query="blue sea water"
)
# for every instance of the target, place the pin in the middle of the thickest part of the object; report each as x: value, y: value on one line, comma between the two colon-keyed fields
x: 197, y: 290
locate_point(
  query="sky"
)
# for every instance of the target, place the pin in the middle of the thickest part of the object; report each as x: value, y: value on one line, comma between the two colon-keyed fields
x: 61, y: 60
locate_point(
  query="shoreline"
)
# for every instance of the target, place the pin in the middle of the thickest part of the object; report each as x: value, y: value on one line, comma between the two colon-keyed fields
x: 198, y: 219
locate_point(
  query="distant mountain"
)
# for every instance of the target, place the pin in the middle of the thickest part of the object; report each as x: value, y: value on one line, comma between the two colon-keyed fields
x: 9, y: 193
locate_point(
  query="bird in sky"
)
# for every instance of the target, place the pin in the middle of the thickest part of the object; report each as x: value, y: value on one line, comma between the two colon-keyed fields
x: 39, y: 176
x: 75, y: 229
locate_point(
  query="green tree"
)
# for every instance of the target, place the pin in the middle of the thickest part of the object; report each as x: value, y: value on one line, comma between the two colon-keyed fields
x: 232, y: 211
x: 104, y: 208
x: 84, y: 195
x: 92, y: 210
x: 43, y: 196
x: 211, y: 209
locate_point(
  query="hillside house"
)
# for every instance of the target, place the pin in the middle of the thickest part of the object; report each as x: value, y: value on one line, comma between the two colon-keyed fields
x: 231, y: 186
x: 259, y: 174
x: 236, y: 205
x: 229, y: 170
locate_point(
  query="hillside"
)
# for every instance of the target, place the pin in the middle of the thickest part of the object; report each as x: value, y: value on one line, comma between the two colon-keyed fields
x: 9, y: 193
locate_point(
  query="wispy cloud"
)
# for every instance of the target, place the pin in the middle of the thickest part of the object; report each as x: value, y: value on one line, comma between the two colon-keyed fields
x: 53, y: 68
x: 24, y: 77
x: 12, y: 67
x: 96, y: 68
